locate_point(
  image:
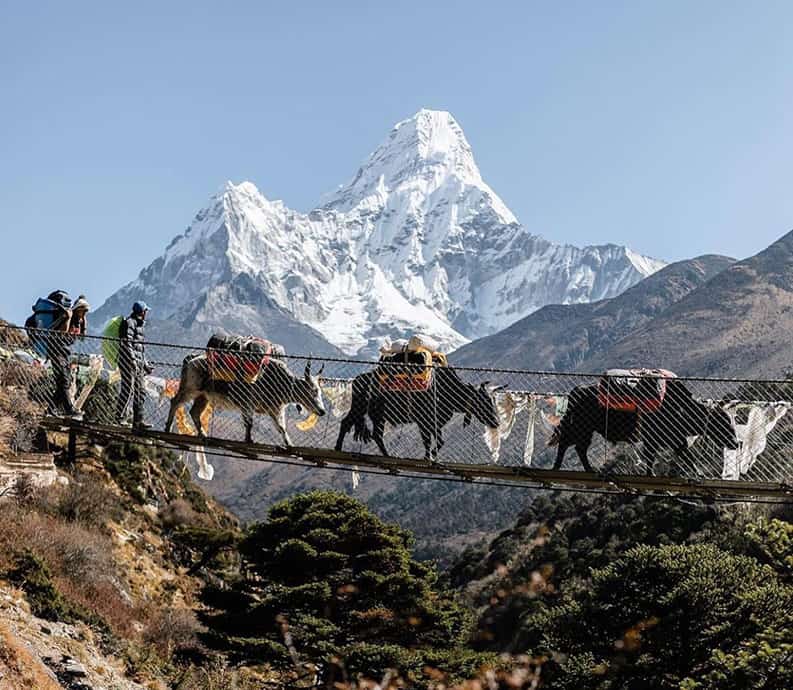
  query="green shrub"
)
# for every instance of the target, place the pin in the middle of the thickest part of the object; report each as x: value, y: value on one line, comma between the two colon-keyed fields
x: 32, y: 575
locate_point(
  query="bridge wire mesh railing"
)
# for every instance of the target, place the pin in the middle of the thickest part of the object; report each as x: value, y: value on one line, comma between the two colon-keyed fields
x: 707, y: 428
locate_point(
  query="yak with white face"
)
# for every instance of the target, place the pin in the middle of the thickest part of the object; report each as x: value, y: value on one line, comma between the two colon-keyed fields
x: 274, y: 389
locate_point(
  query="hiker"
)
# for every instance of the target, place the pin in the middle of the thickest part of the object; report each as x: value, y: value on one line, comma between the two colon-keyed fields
x: 53, y: 328
x: 133, y: 366
x: 78, y: 323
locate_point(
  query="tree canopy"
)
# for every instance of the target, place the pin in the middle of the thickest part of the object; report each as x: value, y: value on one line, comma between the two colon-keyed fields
x: 323, y: 578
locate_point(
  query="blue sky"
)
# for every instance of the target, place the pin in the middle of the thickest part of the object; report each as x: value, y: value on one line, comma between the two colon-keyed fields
x: 662, y: 125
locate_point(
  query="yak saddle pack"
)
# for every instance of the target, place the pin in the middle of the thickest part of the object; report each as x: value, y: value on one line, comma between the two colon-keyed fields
x: 633, y: 390
x: 233, y: 358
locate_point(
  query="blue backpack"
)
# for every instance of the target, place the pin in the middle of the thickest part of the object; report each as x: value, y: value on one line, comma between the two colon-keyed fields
x: 52, y: 313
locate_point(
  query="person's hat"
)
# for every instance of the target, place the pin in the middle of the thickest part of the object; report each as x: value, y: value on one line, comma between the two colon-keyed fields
x: 140, y: 308
x: 81, y: 304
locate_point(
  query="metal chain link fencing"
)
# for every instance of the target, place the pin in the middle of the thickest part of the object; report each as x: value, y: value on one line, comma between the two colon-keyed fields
x: 696, y: 428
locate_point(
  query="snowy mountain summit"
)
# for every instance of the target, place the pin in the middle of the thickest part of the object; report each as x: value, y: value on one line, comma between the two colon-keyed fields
x: 417, y: 241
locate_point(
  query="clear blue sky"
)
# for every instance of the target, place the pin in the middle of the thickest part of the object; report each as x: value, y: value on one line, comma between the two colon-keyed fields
x: 662, y: 125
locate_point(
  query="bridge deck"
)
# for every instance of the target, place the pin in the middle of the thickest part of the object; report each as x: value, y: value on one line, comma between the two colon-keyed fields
x: 508, y: 475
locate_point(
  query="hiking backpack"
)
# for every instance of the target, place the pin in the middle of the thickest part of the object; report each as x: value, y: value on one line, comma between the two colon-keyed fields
x: 50, y: 313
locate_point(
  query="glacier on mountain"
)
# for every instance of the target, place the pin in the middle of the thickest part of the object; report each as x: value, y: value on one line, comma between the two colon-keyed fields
x: 416, y: 241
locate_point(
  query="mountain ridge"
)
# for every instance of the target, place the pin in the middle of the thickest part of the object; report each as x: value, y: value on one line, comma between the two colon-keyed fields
x: 567, y: 337
x: 736, y: 324
x: 416, y: 240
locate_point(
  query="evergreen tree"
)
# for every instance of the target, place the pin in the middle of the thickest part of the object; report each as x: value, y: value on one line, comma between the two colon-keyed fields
x: 665, y: 616
x: 323, y: 579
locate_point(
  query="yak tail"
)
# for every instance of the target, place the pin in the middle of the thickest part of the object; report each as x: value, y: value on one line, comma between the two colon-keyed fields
x: 555, y: 437
x: 362, y: 432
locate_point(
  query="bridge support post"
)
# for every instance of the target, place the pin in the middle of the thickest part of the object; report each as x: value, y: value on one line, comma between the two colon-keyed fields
x: 71, y: 448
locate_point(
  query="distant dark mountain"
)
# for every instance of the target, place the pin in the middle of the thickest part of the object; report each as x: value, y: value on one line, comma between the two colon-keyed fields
x: 567, y: 337
x: 740, y: 323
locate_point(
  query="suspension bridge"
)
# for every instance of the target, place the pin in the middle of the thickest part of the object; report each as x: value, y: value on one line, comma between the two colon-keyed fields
x: 299, y: 413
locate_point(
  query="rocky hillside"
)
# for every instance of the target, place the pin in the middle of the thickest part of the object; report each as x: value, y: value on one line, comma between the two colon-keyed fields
x: 417, y: 240
x: 566, y: 337
x: 101, y: 564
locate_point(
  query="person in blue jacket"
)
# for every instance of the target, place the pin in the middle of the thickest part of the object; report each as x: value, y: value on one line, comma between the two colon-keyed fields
x: 133, y: 366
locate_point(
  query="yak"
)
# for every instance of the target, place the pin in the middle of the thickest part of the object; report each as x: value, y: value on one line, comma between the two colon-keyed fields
x: 679, y: 416
x: 274, y: 389
x: 430, y: 409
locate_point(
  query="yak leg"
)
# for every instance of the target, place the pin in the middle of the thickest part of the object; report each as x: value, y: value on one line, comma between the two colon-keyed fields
x: 280, y: 424
x: 681, y: 455
x: 582, y: 443
x: 648, y: 456
x: 581, y: 449
x: 247, y: 420
x: 557, y: 465
x: 439, y: 440
x: 426, y: 439
x: 344, y: 428
x: 378, y: 431
x: 196, y: 410
x: 179, y: 399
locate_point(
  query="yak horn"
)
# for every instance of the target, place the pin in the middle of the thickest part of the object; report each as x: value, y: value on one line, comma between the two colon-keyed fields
x: 307, y: 372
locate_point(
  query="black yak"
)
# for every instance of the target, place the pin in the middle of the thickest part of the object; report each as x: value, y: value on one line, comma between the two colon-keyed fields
x: 431, y: 409
x: 680, y: 416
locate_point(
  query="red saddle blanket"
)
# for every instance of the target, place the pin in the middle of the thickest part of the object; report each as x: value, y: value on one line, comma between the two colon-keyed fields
x: 633, y: 390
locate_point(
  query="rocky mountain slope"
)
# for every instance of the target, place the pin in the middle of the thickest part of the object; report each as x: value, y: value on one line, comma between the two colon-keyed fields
x: 100, y: 561
x: 416, y: 241
x: 739, y: 323
x: 567, y: 337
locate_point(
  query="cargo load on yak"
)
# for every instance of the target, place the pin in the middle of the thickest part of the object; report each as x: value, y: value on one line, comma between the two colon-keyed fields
x: 234, y: 358
x: 633, y: 390
x: 417, y: 357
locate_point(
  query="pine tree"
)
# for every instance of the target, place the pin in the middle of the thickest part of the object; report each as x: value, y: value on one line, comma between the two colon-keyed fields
x: 662, y: 616
x: 323, y: 579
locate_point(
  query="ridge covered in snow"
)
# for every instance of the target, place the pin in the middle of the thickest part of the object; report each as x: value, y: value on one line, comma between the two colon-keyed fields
x: 416, y: 241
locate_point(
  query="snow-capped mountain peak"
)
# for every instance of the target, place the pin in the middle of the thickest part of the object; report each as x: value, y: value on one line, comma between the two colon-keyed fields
x: 416, y: 241
x: 422, y: 153
x: 430, y: 143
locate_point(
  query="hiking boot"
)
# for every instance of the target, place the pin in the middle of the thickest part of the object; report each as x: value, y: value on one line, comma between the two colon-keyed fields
x: 141, y: 426
x: 74, y: 415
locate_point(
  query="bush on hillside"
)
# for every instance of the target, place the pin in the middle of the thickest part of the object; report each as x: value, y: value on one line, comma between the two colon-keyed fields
x: 18, y: 420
